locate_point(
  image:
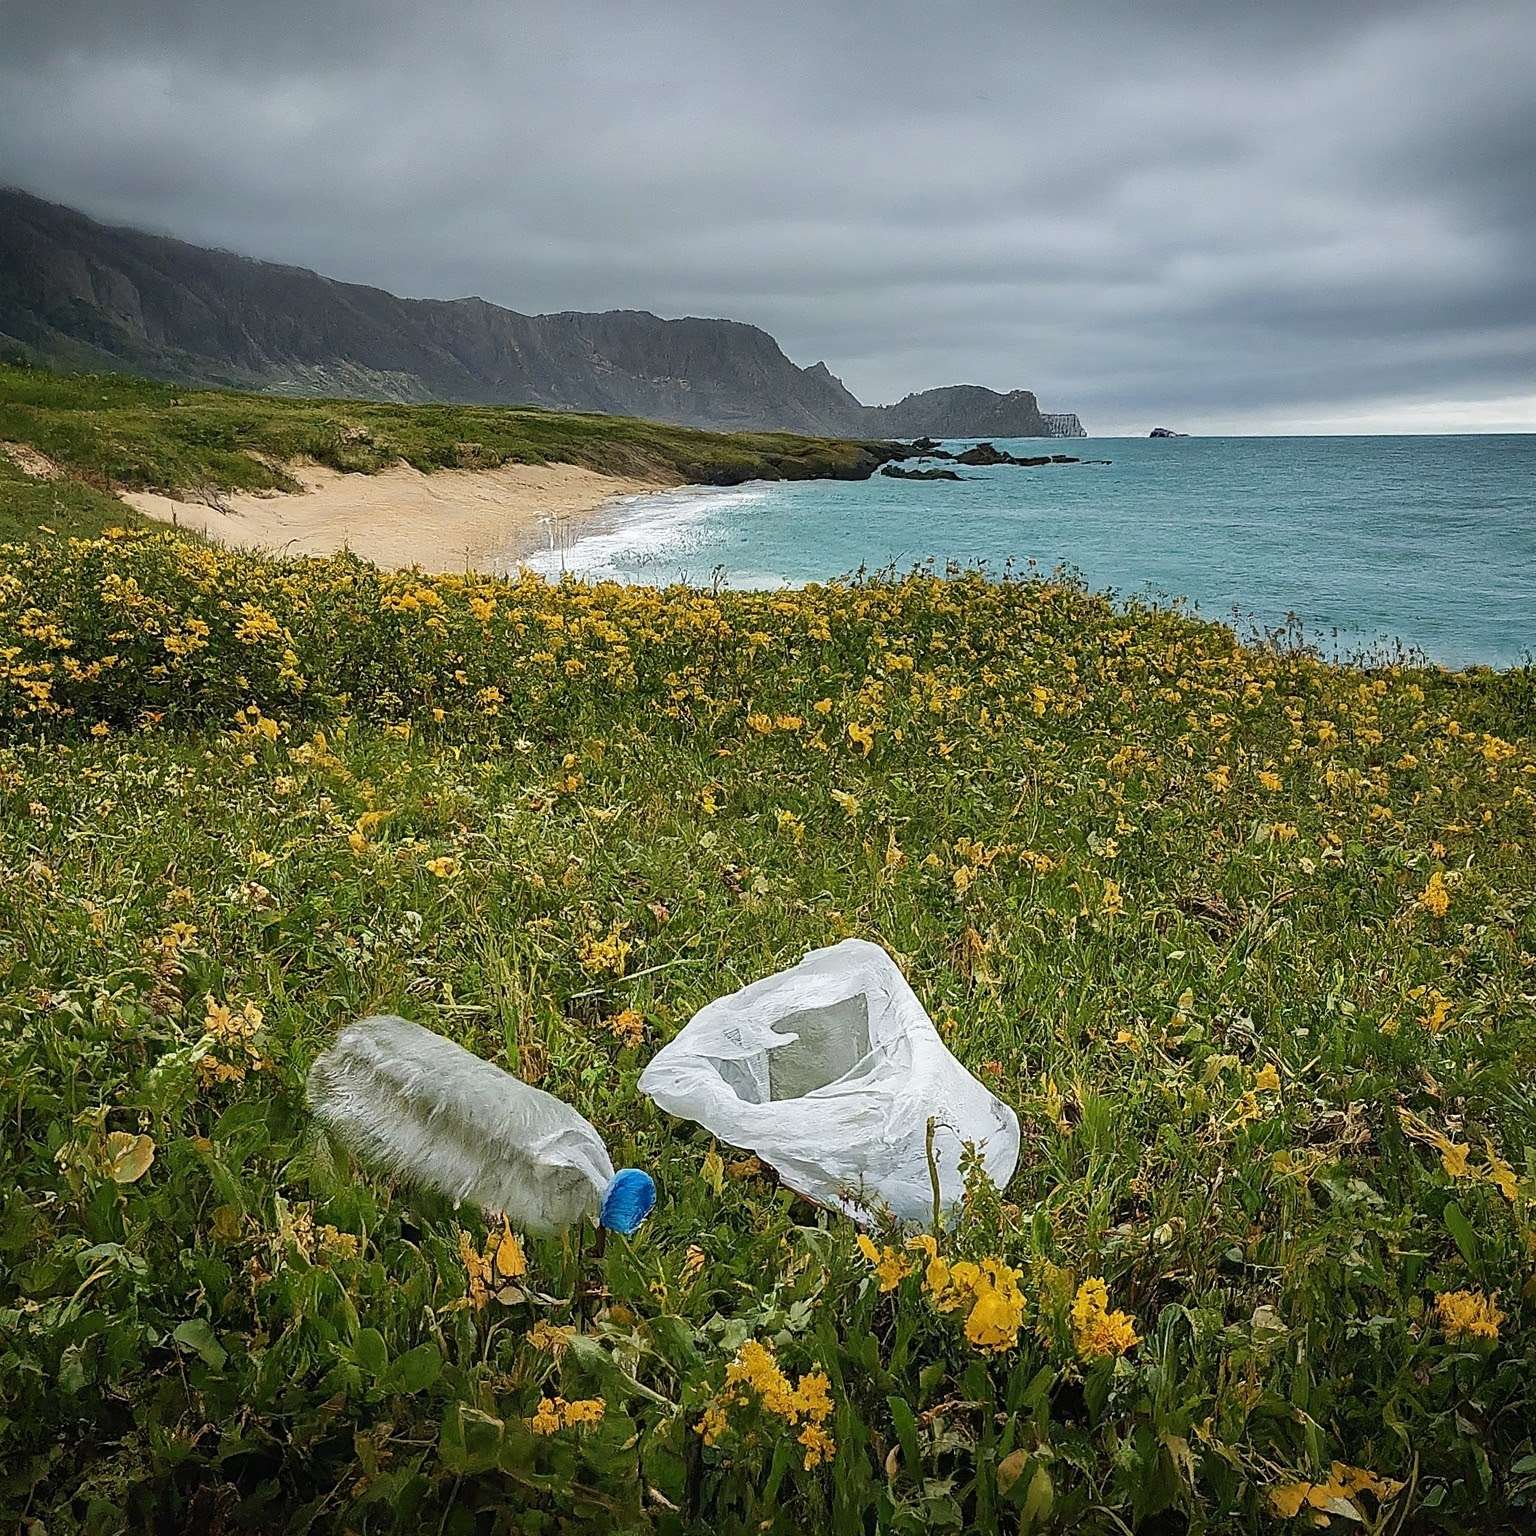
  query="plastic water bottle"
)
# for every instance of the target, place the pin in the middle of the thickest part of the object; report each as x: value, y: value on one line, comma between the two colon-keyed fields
x: 413, y: 1104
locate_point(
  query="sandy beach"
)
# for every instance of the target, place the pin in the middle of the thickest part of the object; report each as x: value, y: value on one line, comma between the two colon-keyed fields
x: 453, y: 519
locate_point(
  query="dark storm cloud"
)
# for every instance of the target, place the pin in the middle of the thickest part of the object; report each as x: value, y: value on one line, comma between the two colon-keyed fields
x: 1212, y: 213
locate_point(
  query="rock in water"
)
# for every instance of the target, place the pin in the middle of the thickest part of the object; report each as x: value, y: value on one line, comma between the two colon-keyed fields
x: 896, y: 472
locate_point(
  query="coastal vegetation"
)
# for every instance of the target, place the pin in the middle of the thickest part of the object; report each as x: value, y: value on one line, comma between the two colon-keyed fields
x: 111, y: 431
x: 1248, y: 938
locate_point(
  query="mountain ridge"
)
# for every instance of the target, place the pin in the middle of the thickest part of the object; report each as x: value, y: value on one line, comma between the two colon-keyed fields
x: 80, y: 293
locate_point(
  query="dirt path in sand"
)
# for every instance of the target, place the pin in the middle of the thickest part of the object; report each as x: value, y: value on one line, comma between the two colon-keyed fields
x: 453, y: 519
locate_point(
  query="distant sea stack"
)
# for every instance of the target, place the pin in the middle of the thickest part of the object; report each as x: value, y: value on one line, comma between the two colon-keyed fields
x: 1166, y: 432
x: 78, y: 294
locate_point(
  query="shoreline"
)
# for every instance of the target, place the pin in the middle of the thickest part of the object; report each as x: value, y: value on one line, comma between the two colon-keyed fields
x: 450, y: 520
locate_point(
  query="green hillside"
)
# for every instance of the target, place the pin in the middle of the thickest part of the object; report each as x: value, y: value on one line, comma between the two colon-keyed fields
x: 113, y: 430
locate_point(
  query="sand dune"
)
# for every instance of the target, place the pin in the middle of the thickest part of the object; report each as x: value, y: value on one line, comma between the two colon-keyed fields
x: 453, y: 519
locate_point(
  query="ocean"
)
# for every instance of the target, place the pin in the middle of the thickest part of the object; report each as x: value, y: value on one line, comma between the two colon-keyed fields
x: 1363, y: 545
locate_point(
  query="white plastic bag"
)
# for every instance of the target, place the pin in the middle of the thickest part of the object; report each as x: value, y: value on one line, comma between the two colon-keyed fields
x: 830, y: 1072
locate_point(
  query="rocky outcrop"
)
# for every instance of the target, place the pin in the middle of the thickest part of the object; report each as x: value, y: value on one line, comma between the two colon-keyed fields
x: 896, y: 472
x: 81, y: 294
x: 1166, y: 432
x: 989, y: 453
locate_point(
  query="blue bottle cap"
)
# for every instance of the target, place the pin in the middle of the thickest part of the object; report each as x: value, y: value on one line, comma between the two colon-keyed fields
x: 628, y: 1200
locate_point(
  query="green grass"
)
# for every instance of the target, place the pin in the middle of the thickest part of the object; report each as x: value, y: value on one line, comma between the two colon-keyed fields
x: 30, y: 507
x: 1064, y: 826
x: 113, y: 430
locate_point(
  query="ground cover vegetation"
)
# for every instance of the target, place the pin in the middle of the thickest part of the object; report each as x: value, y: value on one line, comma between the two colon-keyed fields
x: 1247, y: 938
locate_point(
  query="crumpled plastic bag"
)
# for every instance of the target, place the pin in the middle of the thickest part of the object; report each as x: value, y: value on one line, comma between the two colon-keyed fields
x: 830, y: 1072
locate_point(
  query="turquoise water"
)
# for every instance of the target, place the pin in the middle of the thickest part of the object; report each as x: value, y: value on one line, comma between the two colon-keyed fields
x: 1427, y: 542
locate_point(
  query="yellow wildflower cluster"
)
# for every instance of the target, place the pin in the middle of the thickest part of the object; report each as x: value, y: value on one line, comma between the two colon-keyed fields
x: 336, y: 1244
x: 1338, y: 1494
x: 550, y: 1338
x: 1096, y: 1331
x: 604, y: 953
x: 754, y: 1375
x: 1435, y: 898
x: 555, y: 1413
x: 488, y: 1273
x: 628, y: 1027
x: 987, y: 1291
x: 1468, y: 1314
x: 1456, y: 1157
x: 235, y: 1035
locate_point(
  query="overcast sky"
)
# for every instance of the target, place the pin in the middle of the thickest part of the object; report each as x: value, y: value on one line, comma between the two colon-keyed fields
x: 1213, y: 215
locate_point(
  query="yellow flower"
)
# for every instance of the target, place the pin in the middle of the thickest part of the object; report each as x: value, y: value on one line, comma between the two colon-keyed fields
x: 550, y: 1339
x: 1341, y: 1486
x: 628, y: 1026
x: 861, y: 736
x: 755, y: 1367
x: 849, y: 803
x: 1469, y: 1314
x: 994, y: 1319
x: 1269, y: 779
x: 1096, y: 1331
x: 1437, y: 1013
x: 547, y: 1420
x: 609, y: 953
x: 444, y: 868
x: 813, y: 1397
x: 889, y: 1266
x: 1268, y: 1079
x: 336, y: 1244
x: 790, y: 824
x: 582, y: 1410
x: 1435, y: 898
x: 712, y: 1424
x: 1500, y: 1173
x: 509, y: 1259
x: 1112, y: 902
x: 477, y: 1272
x: 819, y: 1446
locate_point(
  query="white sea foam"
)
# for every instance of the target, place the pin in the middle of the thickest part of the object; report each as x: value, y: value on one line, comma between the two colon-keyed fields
x: 651, y: 537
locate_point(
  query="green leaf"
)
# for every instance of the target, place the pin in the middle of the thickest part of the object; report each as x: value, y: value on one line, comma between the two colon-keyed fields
x: 470, y: 1439
x: 370, y: 1353
x: 415, y: 1370
x: 618, y: 1383
x: 1037, y: 1502
x: 196, y: 1334
x: 906, y: 1434
x: 1460, y: 1228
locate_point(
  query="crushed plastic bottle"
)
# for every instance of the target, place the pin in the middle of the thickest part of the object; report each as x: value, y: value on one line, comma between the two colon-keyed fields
x: 830, y: 1072
x: 411, y: 1103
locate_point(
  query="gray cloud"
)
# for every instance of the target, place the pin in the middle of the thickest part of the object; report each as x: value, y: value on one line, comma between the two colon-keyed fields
x: 1224, y: 216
